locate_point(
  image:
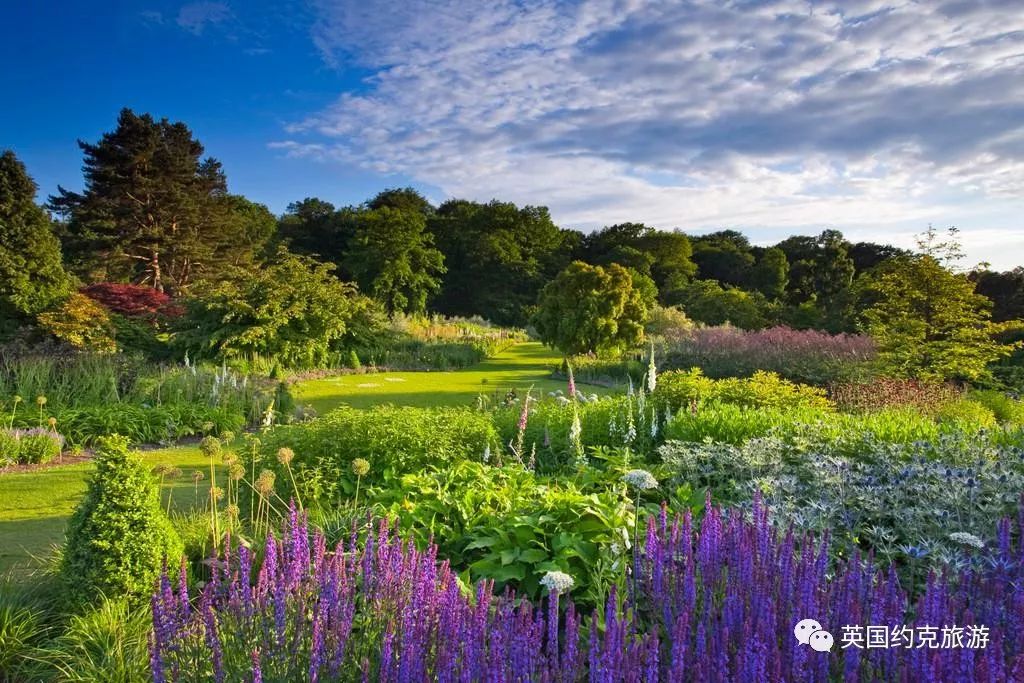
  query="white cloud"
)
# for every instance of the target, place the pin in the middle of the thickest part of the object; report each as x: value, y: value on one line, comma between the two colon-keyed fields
x: 876, y: 116
x: 196, y: 16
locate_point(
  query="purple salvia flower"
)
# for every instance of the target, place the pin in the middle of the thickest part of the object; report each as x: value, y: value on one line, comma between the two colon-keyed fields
x: 257, y: 669
x: 213, y: 643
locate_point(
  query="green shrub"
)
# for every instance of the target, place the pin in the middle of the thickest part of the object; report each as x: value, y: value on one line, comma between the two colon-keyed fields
x: 1008, y: 411
x: 733, y: 424
x: 119, y: 536
x: 393, y: 440
x: 38, y: 446
x: 728, y: 423
x: 9, y: 448
x: 679, y: 388
x: 353, y: 360
x: 606, y: 371
x: 509, y: 525
x: 966, y: 414
x: 142, y: 424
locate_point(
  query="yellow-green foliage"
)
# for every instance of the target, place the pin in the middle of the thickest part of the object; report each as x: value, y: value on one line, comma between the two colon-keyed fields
x: 966, y: 414
x: 680, y: 388
x: 119, y: 536
x: 81, y: 322
x: 1008, y: 411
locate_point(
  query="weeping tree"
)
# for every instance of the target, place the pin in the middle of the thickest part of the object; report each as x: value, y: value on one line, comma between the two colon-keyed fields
x: 592, y: 309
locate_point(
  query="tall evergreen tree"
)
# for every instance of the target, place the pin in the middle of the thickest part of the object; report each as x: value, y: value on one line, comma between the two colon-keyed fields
x: 821, y: 273
x: 311, y: 227
x: 1006, y: 290
x: 725, y: 256
x: 154, y: 211
x: 32, y: 277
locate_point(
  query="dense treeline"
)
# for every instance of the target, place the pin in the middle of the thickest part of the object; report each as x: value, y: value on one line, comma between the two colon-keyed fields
x: 155, y: 213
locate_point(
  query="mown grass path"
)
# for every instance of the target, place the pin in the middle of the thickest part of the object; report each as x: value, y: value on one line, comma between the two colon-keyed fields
x: 35, y: 506
x: 519, y: 367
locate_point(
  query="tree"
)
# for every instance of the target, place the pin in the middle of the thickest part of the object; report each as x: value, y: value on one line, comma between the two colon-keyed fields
x: 253, y: 226
x: 590, y: 309
x: 867, y: 255
x: 82, y: 323
x: 1006, y: 290
x: 663, y: 256
x: 498, y: 257
x: 725, y: 256
x: 771, y: 274
x: 706, y: 301
x: 292, y: 309
x: 821, y: 270
x: 312, y: 227
x: 153, y: 210
x: 32, y: 277
x: 393, y: 258
x: 928, y: 320
x: 403, y: 199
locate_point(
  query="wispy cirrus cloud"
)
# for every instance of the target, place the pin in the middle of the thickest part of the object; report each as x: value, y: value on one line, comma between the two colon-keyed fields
x: 195, y: 17
x: 869, y: 115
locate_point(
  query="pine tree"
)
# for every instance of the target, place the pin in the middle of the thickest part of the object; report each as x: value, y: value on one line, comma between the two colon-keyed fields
x: 32, y: 277
x: 154, y: 211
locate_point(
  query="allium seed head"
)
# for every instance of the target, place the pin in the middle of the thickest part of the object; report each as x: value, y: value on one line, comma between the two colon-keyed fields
x: 285, y: 455
x: 265, y: 482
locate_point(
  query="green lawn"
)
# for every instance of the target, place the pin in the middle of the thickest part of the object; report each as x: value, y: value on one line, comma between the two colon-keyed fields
x: 34, y: 506
x: 522, y: 366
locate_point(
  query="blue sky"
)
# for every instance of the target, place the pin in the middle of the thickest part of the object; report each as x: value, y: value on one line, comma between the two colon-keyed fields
x: 773, y: 117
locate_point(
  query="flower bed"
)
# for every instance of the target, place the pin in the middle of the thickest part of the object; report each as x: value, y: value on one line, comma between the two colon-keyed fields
x: 718, y: 603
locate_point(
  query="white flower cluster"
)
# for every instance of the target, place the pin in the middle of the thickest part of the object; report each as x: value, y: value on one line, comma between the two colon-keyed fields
x: 640, y: 479
x: 964, y: 538
x: 557, y: 582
